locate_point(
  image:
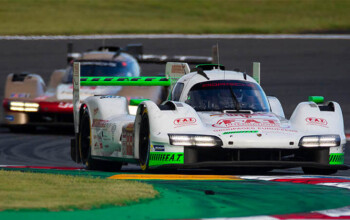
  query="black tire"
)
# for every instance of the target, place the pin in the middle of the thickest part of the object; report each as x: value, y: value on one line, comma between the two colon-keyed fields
x: 316, y: 171
x: 144, y: 142
x: 84, y: 141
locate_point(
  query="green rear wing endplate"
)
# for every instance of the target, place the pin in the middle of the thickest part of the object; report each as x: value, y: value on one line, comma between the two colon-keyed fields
x: 125, y: 81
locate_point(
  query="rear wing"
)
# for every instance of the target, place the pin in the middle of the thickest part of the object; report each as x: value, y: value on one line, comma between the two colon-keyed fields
x: 136, y: 50
x: 256, y: 71
x: 174, y: 71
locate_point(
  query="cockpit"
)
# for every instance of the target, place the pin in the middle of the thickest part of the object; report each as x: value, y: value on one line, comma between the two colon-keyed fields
x: 125, y: 66
x: 227, y: 95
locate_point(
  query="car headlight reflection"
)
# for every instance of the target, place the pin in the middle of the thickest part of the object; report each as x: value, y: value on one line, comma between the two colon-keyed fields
x: 24, y: 106
x: 132, y: 109
x: 320, y: 141
x: 194, y: 140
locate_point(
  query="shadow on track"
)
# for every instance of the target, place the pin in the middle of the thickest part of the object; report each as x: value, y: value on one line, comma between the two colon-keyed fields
x: 60, y: 130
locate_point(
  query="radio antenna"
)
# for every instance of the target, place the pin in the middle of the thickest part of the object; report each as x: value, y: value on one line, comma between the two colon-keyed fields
x: 218, y: 58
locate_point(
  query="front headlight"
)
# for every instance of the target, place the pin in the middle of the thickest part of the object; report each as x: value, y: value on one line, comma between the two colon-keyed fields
x: 320, y: 141
x: 194, y: 140
x: 132, y: 109
x: 24, y: 106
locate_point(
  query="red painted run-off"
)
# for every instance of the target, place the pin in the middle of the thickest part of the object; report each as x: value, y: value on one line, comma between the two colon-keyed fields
x: 343, y: 213
x: 347, y: 136
x: 314, y: 215
x: 312, y: 180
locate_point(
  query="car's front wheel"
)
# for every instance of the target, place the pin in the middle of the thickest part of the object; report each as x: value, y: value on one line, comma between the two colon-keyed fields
x: 84, y: 141
x: 144, y: 141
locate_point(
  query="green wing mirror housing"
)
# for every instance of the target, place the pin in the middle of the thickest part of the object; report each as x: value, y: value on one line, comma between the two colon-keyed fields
x: 316, y: 99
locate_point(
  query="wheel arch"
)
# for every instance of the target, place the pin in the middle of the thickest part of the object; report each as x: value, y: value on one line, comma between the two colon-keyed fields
x: 333, y: 120
x: 163, y: 121
x: 151, y: 109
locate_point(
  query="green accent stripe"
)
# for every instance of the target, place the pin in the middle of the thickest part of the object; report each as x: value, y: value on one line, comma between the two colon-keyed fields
x: 124, y: 81
x: 316, y: 99
x: 136, y: 102
x: 160, y: 158
x: 336, y: 158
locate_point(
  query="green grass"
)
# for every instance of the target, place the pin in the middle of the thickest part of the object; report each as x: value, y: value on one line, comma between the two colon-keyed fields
x: 35, y: 17
x: 36, y: 191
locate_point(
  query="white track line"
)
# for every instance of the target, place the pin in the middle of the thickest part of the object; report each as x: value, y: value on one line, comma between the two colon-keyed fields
x: 182, y: 36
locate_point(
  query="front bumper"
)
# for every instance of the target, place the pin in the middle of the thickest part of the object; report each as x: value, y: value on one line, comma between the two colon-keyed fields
x: 194, y: 157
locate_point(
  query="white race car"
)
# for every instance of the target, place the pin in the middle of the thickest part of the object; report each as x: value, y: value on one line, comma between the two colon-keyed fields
x: 212, y: 118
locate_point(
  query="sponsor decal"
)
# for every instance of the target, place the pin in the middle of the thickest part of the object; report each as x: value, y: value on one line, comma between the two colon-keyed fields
x: 232, y: 115
x: 99, y: 123
x: 96, y: 111
x: 157, y: 158
x: 239, y: 122
x: 9, y: 117
x: 243, y: 115
x: 239, y: 132
x: 158, y: 147
x: 65, y: 105
x: 98, y: 145
x: 108, y: 97
x: 41, y: 97
x: 179, y: 122
x: 177, y: 69
x: 113, y: 129
x: 316, y: 121
x: 19, y: 95
x: 227, y: 84
x: 128, y: 140
x: 269, y: 129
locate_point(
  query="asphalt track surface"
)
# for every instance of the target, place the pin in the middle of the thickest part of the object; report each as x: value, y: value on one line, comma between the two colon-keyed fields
x: 291, y: 69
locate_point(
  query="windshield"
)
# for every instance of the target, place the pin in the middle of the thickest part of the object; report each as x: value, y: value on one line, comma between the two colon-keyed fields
x: 223, y: 95
x: 105, y: 68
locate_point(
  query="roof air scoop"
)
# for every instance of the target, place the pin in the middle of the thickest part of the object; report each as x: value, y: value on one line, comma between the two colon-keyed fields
x: 201, y: 67
x: 202, y: 73
x: 210, y: 66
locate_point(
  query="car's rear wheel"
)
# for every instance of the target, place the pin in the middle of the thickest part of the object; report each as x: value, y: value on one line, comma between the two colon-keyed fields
x: 316, y: 171
x: 144, y: 141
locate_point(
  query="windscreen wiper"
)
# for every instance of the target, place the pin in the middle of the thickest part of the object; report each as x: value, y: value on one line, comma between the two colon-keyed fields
x: 238, y: 108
